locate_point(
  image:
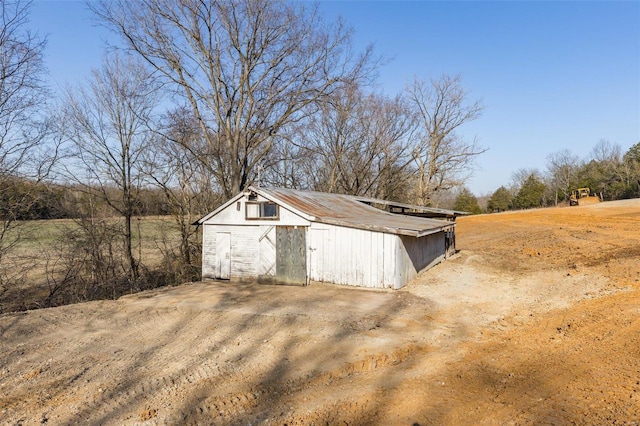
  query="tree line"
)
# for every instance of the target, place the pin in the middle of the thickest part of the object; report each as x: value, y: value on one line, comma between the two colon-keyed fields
x: 197, y: 101
x: 609, y: 174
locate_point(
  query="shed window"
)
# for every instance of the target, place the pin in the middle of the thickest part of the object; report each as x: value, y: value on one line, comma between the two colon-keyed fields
x: 264, y: 210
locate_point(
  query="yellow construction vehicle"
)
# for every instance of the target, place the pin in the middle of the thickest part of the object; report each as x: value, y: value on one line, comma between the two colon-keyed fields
x: 582, y: 197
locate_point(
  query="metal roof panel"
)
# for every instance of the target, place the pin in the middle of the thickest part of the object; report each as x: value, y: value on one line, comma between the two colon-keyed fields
x: 346, y: 210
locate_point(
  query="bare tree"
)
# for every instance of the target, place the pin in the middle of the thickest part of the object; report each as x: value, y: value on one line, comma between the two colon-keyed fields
x: 107, y: 123
x: 247, y: 68
x: 563, y: 167
x: 444, y: 160
x: 358, y: 144
x: 187, y: 188
x: 289, y: 164
x: 23, y: 128
x: 606, y: 152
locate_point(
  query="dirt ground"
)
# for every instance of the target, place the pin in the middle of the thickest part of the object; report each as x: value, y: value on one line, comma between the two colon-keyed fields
x: 535, y: 321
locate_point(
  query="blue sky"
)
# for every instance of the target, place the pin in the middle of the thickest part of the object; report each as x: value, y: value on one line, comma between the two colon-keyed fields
x: 551, y: 74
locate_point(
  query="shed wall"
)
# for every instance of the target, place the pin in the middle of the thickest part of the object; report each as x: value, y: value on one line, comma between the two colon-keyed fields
x: 351, y: 256
x: 208, y: 251
x: 234, y: 214
x: 414, y: 255
x: 250, y: 252
x: 245, y: 250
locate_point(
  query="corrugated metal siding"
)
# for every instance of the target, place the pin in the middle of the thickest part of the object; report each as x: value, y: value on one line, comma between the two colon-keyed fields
x: 351, y: 256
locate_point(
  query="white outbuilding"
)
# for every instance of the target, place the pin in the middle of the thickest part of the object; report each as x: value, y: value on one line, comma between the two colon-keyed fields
x: 286, y: 236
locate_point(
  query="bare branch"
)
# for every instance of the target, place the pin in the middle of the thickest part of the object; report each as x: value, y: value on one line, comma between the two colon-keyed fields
x: 23, y: 131
x: 107, y: 122
x: 443, y: 159
x: 247, y: 69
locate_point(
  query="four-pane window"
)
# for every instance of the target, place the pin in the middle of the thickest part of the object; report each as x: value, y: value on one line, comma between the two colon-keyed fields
x: 262, y: 210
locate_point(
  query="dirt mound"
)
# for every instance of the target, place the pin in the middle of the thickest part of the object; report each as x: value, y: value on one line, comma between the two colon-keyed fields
x: 535, y: 321
x: 585, y: 201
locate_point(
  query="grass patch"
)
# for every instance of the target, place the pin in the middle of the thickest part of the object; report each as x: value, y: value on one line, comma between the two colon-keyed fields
x: 41, y: 246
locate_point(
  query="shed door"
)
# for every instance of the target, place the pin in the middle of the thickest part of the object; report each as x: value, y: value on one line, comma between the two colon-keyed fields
x: 223, y: 255
x: 291, y: 255
x: 450, y: 243
x: 317, y: 240
x: 267, y: 244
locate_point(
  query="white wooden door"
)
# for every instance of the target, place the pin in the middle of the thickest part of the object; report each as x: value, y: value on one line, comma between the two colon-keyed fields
x: 267, y: 242
x: 317, y: 238
x: 223, y: 255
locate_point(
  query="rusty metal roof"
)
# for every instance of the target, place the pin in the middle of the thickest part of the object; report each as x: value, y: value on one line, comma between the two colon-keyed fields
x: 349, y: 211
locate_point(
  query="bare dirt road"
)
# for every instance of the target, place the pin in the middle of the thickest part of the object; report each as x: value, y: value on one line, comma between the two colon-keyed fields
x: 535, y: 321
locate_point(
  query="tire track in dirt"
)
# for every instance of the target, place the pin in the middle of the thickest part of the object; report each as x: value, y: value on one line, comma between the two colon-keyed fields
x: 276, y: 396
x: 227, y: 407
x: 131, y: 388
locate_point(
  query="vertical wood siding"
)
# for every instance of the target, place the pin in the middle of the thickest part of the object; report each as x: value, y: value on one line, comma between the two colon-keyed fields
x: 291, y: 255
x: 223, y: 255
x: 208, y: 251
x: 417, y: 254
x: 350, y: 256
x: 389, y: 259
x: 315, y: 254
x: 245, y: 250
x: 251, y: 255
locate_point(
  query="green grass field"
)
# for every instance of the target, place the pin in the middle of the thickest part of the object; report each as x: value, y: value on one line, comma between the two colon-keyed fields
x: 44, y: 234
